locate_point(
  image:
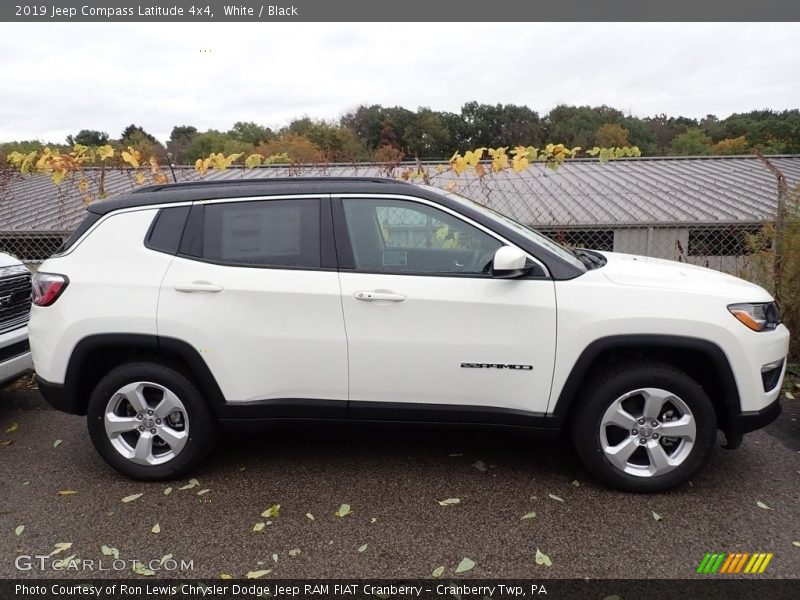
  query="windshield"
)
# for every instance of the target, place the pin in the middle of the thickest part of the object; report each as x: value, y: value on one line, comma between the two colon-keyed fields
x: 531, y: 234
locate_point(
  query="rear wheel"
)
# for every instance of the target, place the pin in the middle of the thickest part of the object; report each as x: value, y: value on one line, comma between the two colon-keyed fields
x: 149, y: 421
x: 645, y: 427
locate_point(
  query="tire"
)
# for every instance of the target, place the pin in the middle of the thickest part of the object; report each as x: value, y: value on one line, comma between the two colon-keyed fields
x: 118, y: 420
x: 604, y: 437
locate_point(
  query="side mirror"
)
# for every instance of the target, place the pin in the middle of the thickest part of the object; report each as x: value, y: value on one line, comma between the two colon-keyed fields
x: 509, y: 262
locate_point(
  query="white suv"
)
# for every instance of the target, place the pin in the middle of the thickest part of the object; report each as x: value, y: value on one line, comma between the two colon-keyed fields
x: 179, y: 309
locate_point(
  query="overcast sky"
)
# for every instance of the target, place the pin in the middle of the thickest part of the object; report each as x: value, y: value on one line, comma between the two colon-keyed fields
x: 58, y: 78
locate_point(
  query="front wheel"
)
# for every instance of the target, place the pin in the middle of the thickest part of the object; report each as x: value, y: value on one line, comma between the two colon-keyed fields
x: 149, y: 421
x: 645, y: 427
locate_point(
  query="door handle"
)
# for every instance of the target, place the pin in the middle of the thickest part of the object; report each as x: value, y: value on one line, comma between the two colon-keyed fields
x: 198, y: 286
x: 374, y: 296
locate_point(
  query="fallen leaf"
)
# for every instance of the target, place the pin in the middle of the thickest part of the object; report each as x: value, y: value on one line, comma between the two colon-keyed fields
x: 294, y: 552
x: 18, y: 531
x: 156, y: 528
x: 449, y: 501
x: 167, y: 491
x: 789, y: 395
x: 12, y: 428
x: 373, y: 519
x: 258, y: 527
x: 164, y: 559
x: 67, y: 492
x: 272, y: 511
x: 140, y: 569
x: 438, y: 572
x: 258, y: 574
x: 343, y: 511
x: 576, y: 483
x: 203, y: 492
x: 310, y: 516
x: 225, y: 576
x: 529, y: 515
x: 760, y: 504
x: 109, y: 551
x: 657, y: 516
x: 275, y: 557
x: 131, y: 498
x: 554, y: 497
x: 796, y: 544
x: 26, y: 483
x: 60, y: 547
x: 6, y: 442
x: 480, y: 465
x: 363, y: 548
x: 543, y: 559
x: 192, y: 483
x: 466, y: 564
x: 56, y: 444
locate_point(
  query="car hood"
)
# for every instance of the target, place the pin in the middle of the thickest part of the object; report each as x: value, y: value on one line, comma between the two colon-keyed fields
x: 643, y: 271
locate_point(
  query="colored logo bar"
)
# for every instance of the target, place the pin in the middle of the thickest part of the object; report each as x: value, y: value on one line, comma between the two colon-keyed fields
x: 734, y: 563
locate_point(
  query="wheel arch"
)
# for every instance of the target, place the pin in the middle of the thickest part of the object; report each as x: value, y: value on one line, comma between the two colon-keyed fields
x: 96, y: 355
x: 701, y: 359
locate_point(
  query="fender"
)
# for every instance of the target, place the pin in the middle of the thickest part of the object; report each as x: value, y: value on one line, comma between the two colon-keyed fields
x: 649, y: 344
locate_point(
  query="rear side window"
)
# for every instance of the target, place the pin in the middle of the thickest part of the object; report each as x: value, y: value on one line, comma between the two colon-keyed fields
x: 90, y: 219
x: 167, y: 228
x: 271, y: 233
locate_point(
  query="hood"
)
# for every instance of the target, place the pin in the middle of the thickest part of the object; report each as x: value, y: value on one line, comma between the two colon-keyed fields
x: 6, y: 260
x: 643, y: 271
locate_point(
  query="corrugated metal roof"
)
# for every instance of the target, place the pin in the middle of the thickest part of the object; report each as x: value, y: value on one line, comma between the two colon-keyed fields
x: 625, y: 192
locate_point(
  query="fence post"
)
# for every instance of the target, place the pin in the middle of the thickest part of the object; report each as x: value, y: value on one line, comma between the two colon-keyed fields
x: 780, y: 223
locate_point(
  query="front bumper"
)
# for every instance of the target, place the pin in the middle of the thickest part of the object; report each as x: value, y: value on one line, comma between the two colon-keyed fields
x: 15, y: 354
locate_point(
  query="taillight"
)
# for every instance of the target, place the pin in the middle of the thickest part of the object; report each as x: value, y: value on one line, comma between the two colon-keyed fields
x: 47, y: 287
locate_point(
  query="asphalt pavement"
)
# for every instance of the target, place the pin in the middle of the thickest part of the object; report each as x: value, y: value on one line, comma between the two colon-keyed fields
x: 393, y: 479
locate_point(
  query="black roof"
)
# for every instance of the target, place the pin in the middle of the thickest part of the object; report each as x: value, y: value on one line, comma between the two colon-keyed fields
x: 242, y: 188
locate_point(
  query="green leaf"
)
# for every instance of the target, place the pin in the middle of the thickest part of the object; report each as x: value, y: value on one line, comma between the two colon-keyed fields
x: 466, y: 564
x: 192, y: 483
x: 60, y: 547
x: 12, y: 428
x: 554, y: 497
x: 18, y: 531
x: 272, y: 511
x: 543, y: 559
x: 363, y: 548
x: 438, y: 571
x: 164, y: 559
x: 529, y: 515
x: 760, y: 504
x: 449, y: 501
x: 131, y: 498
x: 343, y: 511
x: 258, y: 574
x: 109, y: 551
x: 258, y: 527
x: 657, y: 516
x: 64, y: 562
x: 155, y: 528
x: 56, y: 444
x: 167, y: 491
x: 140, y: 569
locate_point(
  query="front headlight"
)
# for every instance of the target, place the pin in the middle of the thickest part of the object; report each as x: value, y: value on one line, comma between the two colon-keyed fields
x: 762, y: 316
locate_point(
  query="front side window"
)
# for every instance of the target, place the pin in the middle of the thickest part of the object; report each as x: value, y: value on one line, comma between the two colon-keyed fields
x: 404, y: 236
x: 269, y: 233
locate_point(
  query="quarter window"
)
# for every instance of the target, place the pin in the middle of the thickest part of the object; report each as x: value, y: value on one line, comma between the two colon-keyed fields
x: 403, y: 236
x: 271, y: 233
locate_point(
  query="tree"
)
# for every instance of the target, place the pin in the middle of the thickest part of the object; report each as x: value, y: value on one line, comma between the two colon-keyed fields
x: 299, y: 149
x: 179, y: 141
x: 692, y: 142
x: 738, y: 145
x: 611, y: 135
x: 250, y: 132
x: 135, y: 132
x: 205, y: 143
x: 88, y: 137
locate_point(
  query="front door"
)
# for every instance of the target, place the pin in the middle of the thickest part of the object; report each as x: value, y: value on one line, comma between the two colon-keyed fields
x: 430, y: 333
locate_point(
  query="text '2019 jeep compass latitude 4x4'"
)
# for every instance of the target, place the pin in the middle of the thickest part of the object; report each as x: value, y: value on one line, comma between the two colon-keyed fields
x: 178, y: 309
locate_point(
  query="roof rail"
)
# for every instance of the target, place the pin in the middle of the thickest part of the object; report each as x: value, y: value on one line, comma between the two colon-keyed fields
x: 258, y: 180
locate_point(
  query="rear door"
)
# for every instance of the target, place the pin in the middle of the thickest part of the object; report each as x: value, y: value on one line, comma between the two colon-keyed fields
x: 255, y: 290
x: 431, y: 335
